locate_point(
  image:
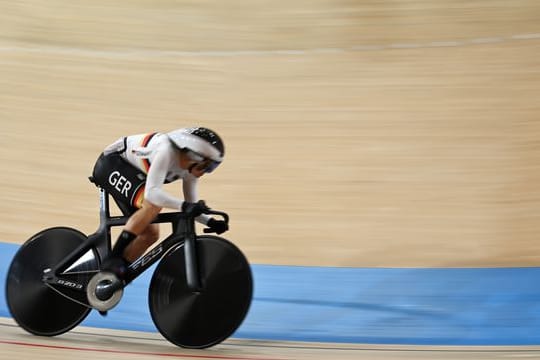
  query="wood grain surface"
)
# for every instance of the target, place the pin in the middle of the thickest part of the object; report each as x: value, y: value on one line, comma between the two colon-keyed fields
x: 99, y: 344
x: 388, y: 134
x: 358, y: 133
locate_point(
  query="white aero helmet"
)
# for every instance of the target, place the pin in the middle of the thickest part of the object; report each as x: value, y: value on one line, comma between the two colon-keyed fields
x: 204, y: 144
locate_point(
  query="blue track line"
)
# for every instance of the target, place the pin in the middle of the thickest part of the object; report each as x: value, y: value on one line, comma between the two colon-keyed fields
x: 477, y: 306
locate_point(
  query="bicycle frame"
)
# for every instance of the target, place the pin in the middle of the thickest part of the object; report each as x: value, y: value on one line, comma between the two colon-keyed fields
x: 183, y: 230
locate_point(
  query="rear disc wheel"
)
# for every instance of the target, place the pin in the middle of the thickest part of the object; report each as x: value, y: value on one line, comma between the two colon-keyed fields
x: 36, y: 306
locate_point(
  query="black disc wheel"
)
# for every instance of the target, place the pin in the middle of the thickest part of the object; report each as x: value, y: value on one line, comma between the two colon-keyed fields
x: 40, y: 308
x: 201, y: 319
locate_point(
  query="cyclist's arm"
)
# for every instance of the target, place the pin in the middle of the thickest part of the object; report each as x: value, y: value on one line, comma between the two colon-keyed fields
x: 154, y: 192
x: 189, y: 187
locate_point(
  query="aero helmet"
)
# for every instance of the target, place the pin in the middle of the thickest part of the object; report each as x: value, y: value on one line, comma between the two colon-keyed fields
x: 203, y: 143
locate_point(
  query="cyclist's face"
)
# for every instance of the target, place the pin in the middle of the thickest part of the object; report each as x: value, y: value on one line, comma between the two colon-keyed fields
x: 194, y: 164
x: 196, y: 171
x: 202, y: 167
x: 186, y: 162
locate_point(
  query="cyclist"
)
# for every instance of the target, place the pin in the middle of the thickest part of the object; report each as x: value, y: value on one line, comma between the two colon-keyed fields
x: 134, y: 169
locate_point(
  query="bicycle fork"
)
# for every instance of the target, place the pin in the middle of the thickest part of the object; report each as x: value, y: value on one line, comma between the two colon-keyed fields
x: 193, y: 278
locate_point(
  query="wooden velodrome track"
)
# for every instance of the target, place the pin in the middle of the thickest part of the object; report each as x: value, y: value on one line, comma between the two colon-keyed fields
x: 365, y: 134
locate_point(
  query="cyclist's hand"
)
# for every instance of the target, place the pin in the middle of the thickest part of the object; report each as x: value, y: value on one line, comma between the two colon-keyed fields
x: 194, y: 209
x: 217, y: 226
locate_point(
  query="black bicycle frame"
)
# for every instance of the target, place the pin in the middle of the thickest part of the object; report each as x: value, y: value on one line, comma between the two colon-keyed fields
x: 183, y: 229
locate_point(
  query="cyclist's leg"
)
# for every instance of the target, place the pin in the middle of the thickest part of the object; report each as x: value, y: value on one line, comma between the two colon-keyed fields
x: 147, y: 233
x: 138, y: 234
x: 115, y: 174
x: 141, y: 243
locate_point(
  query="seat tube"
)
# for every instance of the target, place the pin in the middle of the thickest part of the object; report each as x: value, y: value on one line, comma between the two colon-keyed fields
x: 104, y: 211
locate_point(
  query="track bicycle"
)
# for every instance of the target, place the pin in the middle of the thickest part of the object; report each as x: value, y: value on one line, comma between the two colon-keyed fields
x: 199, y: 293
